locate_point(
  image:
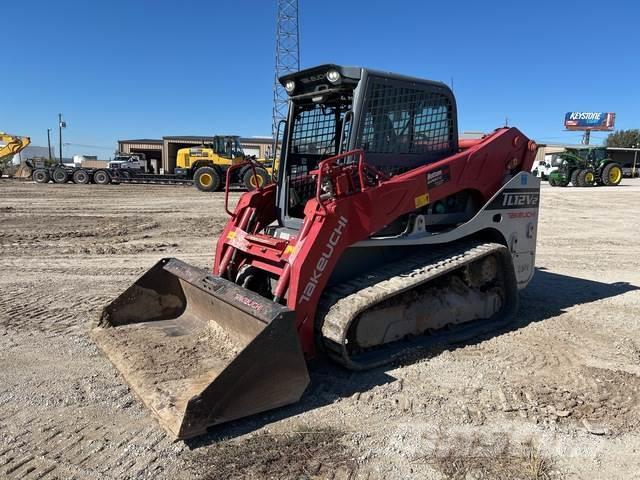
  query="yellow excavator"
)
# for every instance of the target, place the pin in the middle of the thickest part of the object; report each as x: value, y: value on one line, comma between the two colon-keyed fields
x: 207, y: 165
x: 13, y: 144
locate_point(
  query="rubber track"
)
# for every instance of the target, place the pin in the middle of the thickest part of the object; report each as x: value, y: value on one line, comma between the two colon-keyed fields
x: 340, y: 305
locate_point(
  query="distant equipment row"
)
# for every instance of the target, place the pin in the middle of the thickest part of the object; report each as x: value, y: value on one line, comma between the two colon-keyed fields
x: 205, y: 166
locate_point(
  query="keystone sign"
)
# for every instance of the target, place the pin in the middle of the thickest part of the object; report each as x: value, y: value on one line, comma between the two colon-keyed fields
x: 589, y: 120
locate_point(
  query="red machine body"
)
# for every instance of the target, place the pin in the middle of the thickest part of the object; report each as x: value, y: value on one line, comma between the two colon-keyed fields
x: 356, y: 209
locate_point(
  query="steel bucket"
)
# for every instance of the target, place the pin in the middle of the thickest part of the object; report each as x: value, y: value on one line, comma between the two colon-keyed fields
x: 199, y: 350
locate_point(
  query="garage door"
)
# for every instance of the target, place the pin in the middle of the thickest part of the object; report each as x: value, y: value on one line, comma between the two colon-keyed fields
x: 251, y: 151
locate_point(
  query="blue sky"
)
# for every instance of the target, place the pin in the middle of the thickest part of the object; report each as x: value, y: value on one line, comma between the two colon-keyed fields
x: 147, y: 68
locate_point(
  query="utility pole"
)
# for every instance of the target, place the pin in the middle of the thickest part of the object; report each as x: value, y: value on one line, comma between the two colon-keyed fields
x: 49, y: 142
x: 61, y: 125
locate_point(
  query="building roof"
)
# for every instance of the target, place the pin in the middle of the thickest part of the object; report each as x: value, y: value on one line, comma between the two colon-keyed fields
x: 471, y: 135
x: 627, y: 149
x: 209, y: 138
x: 580, y: 146
x: 260, y: 140
x: 188, y: 137
x: 569, y: 145
x: 142, y: 140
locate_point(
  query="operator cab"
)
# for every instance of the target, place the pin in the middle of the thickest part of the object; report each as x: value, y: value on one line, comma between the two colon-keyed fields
x: 228, y: 146
x: 400, y: 122
x: 224, y: 146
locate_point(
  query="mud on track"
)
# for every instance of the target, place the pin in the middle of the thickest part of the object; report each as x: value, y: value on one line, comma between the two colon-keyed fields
x: 565, y: 378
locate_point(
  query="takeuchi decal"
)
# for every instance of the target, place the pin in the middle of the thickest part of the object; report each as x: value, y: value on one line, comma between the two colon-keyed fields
x: 248, y: 302
x: 323, y: 261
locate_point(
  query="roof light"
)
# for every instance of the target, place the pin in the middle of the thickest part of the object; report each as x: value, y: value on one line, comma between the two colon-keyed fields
x: 333, y: 76
x: 290, y: 86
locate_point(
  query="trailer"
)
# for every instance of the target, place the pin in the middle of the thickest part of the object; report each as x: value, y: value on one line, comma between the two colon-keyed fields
x: 207, y: 167
x: 61, y: 173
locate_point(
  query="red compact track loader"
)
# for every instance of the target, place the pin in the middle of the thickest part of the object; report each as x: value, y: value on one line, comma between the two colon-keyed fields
x: 384, y: 232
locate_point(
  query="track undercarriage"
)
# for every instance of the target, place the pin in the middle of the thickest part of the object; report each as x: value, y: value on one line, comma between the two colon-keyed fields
x: 374, y: 319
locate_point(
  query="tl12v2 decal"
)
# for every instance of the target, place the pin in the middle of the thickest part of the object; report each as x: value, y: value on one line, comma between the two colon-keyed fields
x: 513, y: 198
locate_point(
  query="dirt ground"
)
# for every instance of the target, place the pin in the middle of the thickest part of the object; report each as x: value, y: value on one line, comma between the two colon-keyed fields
x: 555, y: 396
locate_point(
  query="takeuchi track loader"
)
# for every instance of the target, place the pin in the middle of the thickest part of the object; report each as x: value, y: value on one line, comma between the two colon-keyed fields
x: 383, y: 234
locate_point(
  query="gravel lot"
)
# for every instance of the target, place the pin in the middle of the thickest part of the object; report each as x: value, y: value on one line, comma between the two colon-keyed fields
x: 555, y: 396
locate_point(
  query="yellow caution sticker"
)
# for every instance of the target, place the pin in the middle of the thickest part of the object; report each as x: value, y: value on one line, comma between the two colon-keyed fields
x: 422, y: 200
x: 231, y: 234
x: 289, y: 250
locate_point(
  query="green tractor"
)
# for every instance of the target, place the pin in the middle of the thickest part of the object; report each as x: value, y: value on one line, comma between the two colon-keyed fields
x: 586, y: 167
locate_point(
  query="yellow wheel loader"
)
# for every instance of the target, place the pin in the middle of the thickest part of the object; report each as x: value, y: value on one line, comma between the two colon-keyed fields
x: 207, y: 165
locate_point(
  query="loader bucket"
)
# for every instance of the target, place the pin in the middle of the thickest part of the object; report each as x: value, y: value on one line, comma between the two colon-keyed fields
x: 199, y: 350
x: 24, y: 171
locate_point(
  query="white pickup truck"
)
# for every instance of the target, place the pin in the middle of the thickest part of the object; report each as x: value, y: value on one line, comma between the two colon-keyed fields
x: 543, y: 168
x: 126, y: 161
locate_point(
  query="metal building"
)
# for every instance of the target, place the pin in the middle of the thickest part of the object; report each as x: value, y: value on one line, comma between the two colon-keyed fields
x: 151, y: 148
x: 162, y: 153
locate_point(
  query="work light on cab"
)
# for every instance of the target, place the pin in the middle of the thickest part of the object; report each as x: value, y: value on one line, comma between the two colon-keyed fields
x: 333, y: 76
